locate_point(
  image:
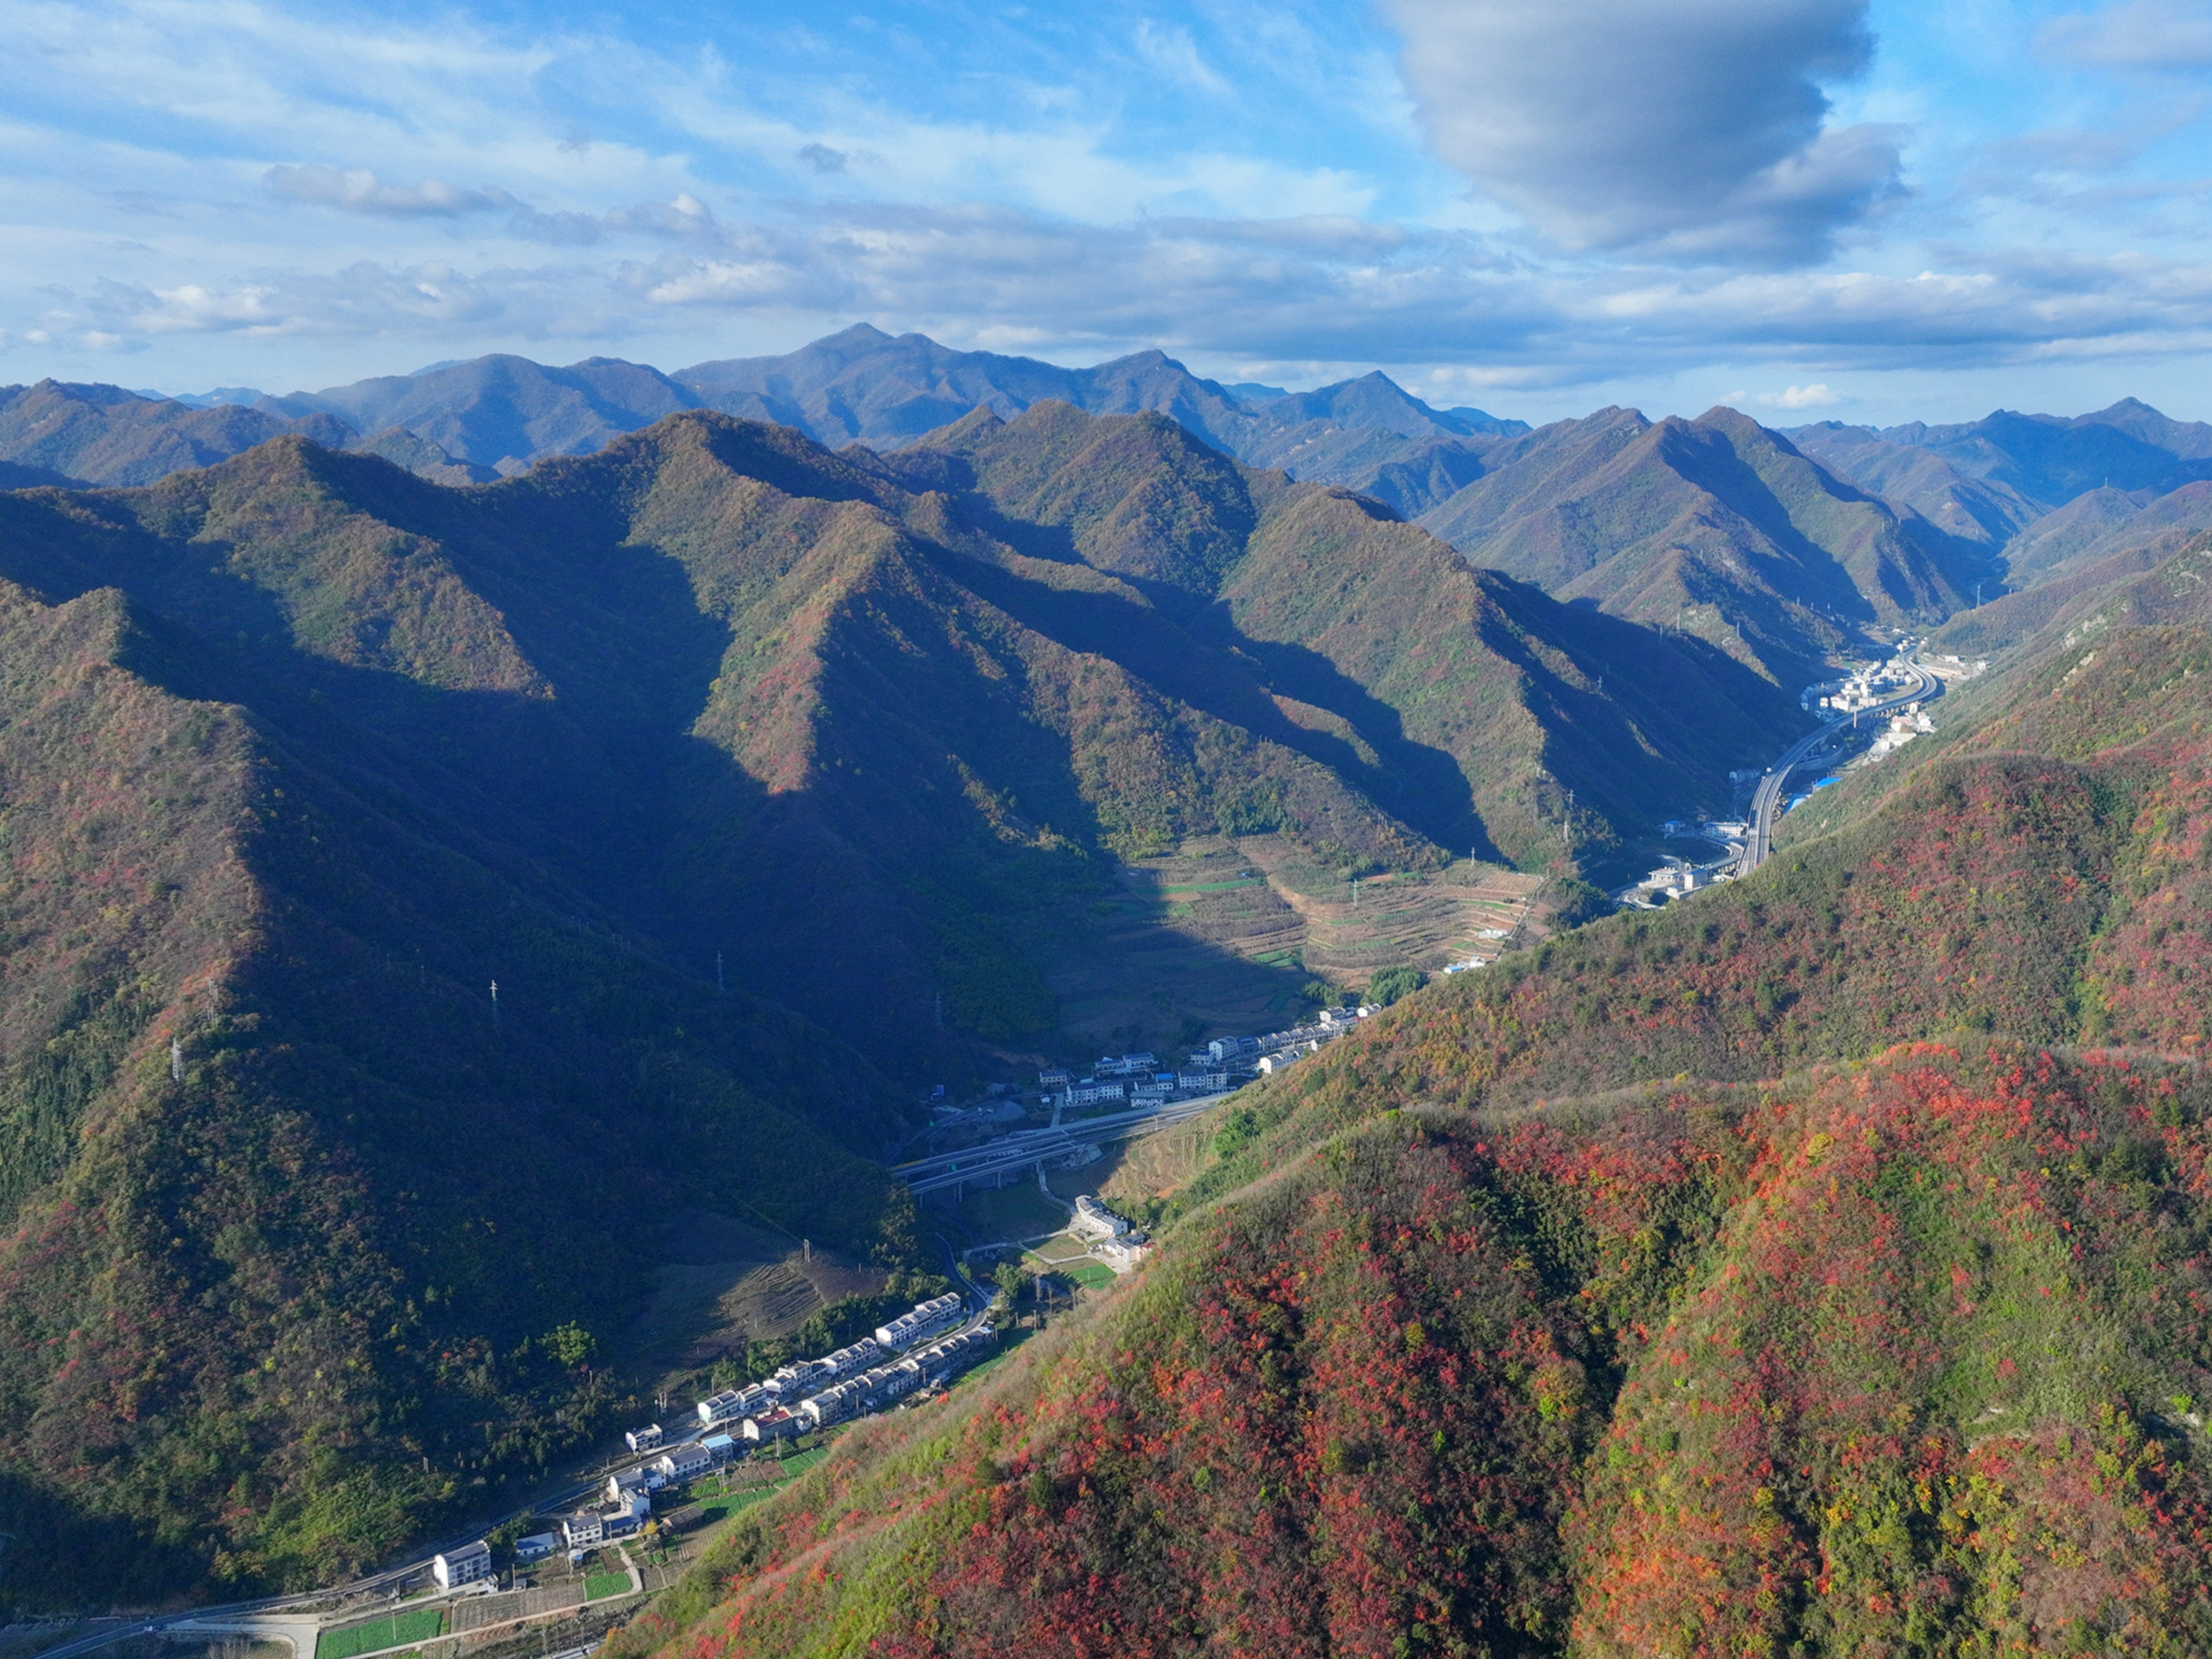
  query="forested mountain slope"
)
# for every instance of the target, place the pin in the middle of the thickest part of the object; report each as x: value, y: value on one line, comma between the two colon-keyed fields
x: 1468, y: 704
x: 1716, y: 522
x: 301, y: 756
x: 301, y: 1239
x: 501, y: 411
x: 104, y: 435
x: 1776, y: 1274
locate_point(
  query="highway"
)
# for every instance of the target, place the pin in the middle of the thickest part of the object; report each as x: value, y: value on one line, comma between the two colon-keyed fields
x: 1018, y: 1152
x: 1766, y: 802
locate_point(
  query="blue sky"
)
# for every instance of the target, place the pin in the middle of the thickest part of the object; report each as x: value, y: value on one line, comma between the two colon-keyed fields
x: 1810, y: 209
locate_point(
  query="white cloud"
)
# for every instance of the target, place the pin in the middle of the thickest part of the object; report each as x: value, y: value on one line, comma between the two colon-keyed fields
x: 1684, y: 128
x: 1316, y: 290
x: 1172, y: 52
x: 358, y: 190
x: 1819, y: 395
x: 2152, y: 34
x: 365, y: 298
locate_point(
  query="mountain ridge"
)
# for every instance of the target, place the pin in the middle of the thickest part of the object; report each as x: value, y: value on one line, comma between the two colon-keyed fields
x: 1812, y: 1267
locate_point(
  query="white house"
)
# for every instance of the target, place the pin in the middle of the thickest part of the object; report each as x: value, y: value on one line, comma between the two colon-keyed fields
x: 463, y: 1565
x: 1093, y: 1219
x: 779, y: 1425
x: 720, y: 1408
x: 537, y: 1547
x: 680, y: 1462
x: 923, y: 1319
x: 627, y: 1518
x: 646, y: 1439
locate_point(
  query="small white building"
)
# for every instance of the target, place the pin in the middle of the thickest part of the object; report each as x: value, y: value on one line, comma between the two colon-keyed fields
x: 466, y: 1565
x: 782, y: 1424
x: 621, y: 1520
x: 922, y: 1321
x: 583, y: 1529
x: 720, y: 1408
x: 1125, y: 1065
x: 859, y: 1357
x: 1120, y: 1254
x: 1093, y: 1219
x: 646, y: 1439
x: 955, y: 1352
x: 537, y: 1547
x: 681, y: 1462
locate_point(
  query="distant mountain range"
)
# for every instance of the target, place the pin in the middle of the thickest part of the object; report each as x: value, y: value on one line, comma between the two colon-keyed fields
x: 1781, y: 549
x: 487, y: 810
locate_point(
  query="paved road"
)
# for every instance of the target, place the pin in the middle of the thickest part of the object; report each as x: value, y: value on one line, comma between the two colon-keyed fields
x: 1018, y: 1152
x: 1766, y: 802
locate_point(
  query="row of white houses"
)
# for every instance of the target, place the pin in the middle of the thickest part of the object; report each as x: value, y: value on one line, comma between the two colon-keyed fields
x: 802, y: 1396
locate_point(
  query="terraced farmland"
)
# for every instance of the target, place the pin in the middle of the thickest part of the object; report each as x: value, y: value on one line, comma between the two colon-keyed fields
x: 1222, y: 935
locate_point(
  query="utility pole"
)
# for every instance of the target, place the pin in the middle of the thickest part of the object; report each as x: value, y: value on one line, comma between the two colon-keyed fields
x: 496, y: 1002
x: 176, y: 1061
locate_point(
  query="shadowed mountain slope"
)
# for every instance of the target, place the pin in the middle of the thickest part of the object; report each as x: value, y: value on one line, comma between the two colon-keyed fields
x: 369, y: 846
x: 1959, y: 503
x: 1768, y: 1275
x: 303, y: 1239
x: 104, y: 435
x: 2116, y: 590
x: 2051, y: 458
x: 1475, y: 707
x: 1716, y: 521
x: 502, y: 412
x: 1991, y: 478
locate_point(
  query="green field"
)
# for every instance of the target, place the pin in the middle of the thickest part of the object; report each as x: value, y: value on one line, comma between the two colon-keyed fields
x: 419, y: 1626
x: 799, y: 1463
x: 1091, y: 1275
x: 598, y: 1586
x: 1008, y: 1342
x: 721, y: 1509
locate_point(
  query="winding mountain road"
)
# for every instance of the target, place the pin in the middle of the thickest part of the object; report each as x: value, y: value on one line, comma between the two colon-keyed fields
x: 1766, y: 802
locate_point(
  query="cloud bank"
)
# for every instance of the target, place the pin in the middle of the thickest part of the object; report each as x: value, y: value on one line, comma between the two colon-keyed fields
x: 2139, y: 34
x: 1584, y: 194
x: 1328, y: 290
x: 1680, y: 129
x: 358, y: 190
